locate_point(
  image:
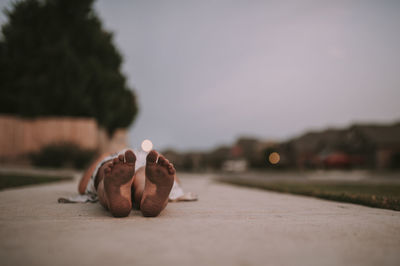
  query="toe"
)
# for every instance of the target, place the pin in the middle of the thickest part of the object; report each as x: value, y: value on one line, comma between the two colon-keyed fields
x: 115, y: 161
x: 130, y: 156
x: 121, y: 157
x: 152, y: 156
x: 107, y: 170
x: 162, y: 161
x: 171, y: 169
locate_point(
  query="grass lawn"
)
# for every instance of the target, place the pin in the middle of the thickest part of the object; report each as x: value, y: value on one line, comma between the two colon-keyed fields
x: 386, y: 196
x: 14, y: 180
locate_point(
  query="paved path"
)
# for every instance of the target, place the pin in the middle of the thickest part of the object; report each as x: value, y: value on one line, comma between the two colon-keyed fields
x: 227, y: 226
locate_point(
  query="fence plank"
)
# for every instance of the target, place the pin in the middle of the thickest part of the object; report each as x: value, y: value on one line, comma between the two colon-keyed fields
x: 20, y: 136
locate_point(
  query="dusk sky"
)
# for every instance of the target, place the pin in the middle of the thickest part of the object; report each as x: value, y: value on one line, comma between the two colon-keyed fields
x: 206, y: 72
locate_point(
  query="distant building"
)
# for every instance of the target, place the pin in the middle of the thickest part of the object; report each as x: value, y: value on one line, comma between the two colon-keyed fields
x: 358, y: 146
x: 379, y: 143
x: 367, y: 146
x: 255, y: 152
x: 234, y: 165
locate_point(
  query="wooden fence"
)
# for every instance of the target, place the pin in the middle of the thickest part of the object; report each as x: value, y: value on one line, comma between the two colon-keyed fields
x: 20, y: 136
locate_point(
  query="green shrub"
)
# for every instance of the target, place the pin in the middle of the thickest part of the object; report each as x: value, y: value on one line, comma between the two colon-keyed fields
x: 64, y: 154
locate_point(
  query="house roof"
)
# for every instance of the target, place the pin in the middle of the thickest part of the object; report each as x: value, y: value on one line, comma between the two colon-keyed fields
x: 380, y: 135
x: 312, y: 141
x: 377, y: 135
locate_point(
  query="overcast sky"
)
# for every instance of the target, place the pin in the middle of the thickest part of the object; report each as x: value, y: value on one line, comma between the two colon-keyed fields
x: 206, y: 72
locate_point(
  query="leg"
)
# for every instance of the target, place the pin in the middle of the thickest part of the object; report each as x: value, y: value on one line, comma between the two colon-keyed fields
x: 114, y: 184
x: 88, y: 173
x: 152, y: 185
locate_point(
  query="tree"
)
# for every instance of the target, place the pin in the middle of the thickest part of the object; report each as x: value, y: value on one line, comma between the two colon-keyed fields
x: 56, y: 60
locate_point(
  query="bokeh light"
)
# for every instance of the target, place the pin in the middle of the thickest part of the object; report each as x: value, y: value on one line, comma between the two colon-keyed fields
x: 274, y: 158
x: 147, y: 145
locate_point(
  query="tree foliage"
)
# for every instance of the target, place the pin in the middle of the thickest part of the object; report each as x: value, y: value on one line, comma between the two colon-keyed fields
x: 56, y: 60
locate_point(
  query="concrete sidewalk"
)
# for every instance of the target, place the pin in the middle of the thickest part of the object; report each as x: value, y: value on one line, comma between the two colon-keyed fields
x: 227, y: 226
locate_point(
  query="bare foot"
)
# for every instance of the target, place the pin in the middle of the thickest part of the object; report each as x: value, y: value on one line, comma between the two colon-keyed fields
x: 117, y: 183
x: 159, y: 180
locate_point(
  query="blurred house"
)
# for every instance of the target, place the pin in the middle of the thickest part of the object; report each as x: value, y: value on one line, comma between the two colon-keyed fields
x: 254, y: 151
x: 365, y: 146
x: 234, y: 165
x: 186, y: 161
x: 380, y: 144
x: 358, y: 146
x: 308, y: 150
x: 215, y: 159
x: 174, y: 157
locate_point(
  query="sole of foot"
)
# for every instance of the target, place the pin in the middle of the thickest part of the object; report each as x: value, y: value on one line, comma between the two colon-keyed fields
x: 117, y: 183
x: 160, y: 175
